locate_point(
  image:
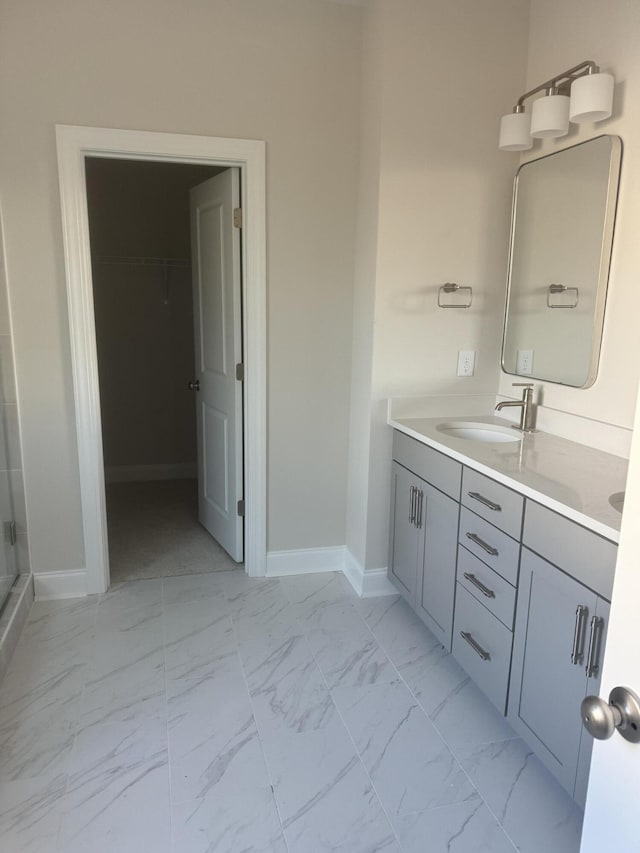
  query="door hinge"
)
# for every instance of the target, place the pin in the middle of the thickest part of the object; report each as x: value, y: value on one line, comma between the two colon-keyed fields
x: 241, y: 508
x: 10, y: 532
x: 240, y: 372
x: 237, y: 217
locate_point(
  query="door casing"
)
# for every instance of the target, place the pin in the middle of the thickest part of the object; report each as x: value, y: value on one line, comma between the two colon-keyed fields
x: 74, y: 144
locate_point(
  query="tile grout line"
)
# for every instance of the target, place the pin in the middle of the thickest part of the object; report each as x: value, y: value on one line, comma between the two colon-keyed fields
x: 76, y: 730
x: 166, y: 717
x: 362, y: 764
x: 350, y: 736
x: 347, y: 597
x: 441, y: 736
x: 264, y: 757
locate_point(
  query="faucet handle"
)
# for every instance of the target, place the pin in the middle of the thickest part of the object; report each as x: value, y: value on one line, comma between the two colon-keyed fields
x: 522, y: 384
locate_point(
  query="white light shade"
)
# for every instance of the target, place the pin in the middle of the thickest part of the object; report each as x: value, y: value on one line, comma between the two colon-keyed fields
x: 550, y: 116
x: 591, y: 98
x: 514, y: 132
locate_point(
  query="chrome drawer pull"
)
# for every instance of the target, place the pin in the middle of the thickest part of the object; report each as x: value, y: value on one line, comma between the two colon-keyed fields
x: 479, y: 585
x: 593, y: 668
x: 488, y: 548
x: 476, y: 648
x: 485, y: 501
x: 578, y: 631
x: 412, y: 504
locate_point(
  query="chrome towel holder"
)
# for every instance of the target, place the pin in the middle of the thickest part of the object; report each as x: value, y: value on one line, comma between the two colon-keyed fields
x: 452, y: 287
x: 560, y: 288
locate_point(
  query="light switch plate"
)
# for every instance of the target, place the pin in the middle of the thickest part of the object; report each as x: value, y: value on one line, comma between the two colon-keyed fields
x: 466, y: 362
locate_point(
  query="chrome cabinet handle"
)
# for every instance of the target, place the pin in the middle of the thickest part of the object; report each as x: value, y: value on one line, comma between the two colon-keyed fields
x: 485, y: 501
x: 477, y: 648
x: 412, y: 505
x: 485, y: 547
x: 420, y: 505
x: 479, y: 585
x: 593, y: 668
x: 577, y: 652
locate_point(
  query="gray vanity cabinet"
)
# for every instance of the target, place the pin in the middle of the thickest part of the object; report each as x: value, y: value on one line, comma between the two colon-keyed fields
x: 405, y: 534
x: 424, y: 532
x: 560, y: 631
x: 518, y: 592
x: 437, y: 566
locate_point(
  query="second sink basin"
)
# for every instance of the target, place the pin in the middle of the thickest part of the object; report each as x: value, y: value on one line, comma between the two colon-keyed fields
x: 487, y: 433
x: 617, y: 501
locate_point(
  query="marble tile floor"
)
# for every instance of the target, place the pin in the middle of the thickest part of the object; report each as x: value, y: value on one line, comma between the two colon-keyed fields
x: 154, y: 532
x: 217, y: 713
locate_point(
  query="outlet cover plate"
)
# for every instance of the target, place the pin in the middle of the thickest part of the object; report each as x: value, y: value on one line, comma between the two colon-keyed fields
x: 466, y: 362
x: 524, y: 362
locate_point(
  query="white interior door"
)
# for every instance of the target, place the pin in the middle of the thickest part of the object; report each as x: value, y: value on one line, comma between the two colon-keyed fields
x: 215, y: 247
x: 612, y: 814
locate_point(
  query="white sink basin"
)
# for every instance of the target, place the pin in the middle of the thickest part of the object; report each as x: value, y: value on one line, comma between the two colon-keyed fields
x: 487, y: 433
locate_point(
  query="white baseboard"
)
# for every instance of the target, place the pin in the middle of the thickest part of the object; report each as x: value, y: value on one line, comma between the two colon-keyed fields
x: 368, y: 584
x: 304, y: 561
x: 340, y: 559
x: 140, y: 473
x: 73, y: 583
x: 51, y: 585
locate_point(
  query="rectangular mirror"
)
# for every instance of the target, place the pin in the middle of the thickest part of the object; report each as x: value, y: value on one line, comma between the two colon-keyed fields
x: 561, y: 235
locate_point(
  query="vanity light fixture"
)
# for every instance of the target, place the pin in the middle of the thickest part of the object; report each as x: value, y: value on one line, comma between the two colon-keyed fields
x: 579, y: 94
x: 550, y: 115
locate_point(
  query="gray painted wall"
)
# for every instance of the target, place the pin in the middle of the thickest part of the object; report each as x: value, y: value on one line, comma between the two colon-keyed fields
x: 285, y: 71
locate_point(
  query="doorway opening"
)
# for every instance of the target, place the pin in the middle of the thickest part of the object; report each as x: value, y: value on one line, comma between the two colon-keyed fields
x: 165, y: 516
x: 247, y: 159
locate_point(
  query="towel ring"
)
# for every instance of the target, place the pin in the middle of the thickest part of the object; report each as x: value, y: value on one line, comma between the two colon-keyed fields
x: 452, y: 287
x: 560, y: 288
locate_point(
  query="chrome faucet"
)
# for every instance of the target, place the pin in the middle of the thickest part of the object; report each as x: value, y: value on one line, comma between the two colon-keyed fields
x: 526, y: 416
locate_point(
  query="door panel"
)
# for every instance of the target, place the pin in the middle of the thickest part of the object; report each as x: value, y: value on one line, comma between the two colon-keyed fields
x: 437, y: 576
x: 405, y: 541
x: 212, y: 308
x: 612, y: 816
x: 547, y: 687
x: 215, y: 244
x: 216, y: 443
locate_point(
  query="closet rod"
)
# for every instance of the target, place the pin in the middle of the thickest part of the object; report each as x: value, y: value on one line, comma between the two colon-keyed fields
x: 143, y: 261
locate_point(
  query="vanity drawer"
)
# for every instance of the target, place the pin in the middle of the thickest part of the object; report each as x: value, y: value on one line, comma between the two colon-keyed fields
x: 487, y: 587
x: 491, y: 545
x: 429, y: 464
x: 579, y: 552
x: 485, y: 650
x: 493, y: 501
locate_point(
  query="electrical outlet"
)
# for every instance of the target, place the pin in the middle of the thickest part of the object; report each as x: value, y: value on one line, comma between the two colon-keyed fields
x: 466, y: 362
x: 524, y: 362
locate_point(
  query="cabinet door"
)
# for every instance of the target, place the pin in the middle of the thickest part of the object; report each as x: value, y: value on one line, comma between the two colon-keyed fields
x: 593, y: 689
x: 405, y: 534
x: 437, y: 562
x: 550, y: 654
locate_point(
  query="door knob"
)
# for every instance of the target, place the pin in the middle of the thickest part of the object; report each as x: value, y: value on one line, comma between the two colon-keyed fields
x: 622, y: 712
x: 194, y: 385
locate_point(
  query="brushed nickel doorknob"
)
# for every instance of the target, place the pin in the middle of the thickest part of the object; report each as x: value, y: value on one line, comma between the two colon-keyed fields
x: 621, y: 713
x: 194, y: 385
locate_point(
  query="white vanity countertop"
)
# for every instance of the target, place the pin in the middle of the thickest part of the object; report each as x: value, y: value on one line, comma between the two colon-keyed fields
x: 570, y: 478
